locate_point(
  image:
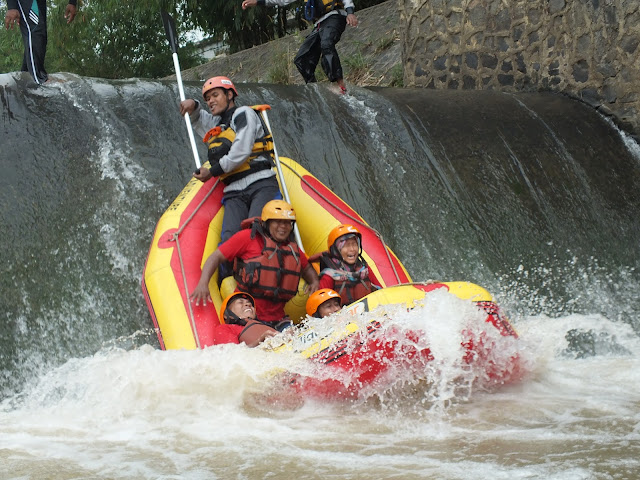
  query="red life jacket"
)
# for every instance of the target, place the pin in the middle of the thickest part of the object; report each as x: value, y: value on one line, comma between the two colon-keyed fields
x: 350, y: 281
x: 255, y: 332
x: 275, y: 273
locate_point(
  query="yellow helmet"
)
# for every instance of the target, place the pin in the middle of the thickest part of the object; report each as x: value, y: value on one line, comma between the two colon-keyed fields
x: 218, y: 82
x: 341, y: 230
x: 318, y: 297
x: 278, y: 210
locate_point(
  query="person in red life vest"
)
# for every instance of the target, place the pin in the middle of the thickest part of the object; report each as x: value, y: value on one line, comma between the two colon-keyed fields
x: 240, y: 152
x: 267, y: 263
x: 342, y: 267
x: 238, y: 322
x: 323, y: 303
x: 330, y: 18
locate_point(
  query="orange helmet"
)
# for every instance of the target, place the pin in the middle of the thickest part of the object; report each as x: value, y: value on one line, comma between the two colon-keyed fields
x: 318, y: 297
x: 230, y: 299
x: 278, y: 210
x: 341, y: 230
x: 218, y: 82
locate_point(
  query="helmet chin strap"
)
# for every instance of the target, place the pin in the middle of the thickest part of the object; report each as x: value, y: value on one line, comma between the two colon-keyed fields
x: 235, y: 319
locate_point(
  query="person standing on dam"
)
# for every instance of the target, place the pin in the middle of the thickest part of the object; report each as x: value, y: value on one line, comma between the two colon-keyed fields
x: 330, y: 18
x: 31, y: 16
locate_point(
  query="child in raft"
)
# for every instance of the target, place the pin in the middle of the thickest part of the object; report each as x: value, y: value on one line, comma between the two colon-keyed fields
x: 342, y: 267
x: 323, y: 303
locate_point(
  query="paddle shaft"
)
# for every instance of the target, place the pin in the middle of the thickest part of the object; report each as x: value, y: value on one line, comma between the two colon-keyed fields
x: 187, y: 118
x: 170, y: 30
x: 285, y: 191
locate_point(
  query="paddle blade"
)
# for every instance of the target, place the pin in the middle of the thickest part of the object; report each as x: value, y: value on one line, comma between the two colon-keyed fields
x: 170, y: 28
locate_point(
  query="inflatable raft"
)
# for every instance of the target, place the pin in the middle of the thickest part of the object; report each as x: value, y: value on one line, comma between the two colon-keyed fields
x: 365, y: 354
x: 189, y: 231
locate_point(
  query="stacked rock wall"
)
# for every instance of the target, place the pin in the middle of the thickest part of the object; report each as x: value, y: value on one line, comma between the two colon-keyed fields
x: 588, y: 49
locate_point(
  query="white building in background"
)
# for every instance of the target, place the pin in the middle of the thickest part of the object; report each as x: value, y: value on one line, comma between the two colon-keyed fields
x: 211, y: 48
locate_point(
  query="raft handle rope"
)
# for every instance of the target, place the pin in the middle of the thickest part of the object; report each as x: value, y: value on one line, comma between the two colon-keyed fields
x: 355, y: 220
x: 176, y: 238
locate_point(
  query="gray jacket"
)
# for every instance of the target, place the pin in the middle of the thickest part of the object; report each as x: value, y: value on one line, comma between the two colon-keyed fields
x: 246, y: 135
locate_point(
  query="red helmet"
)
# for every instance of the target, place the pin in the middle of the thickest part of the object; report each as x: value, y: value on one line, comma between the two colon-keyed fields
x: 218, y: 82
x: 230, y: 299
x: 341, y: 230
x: 318, y: 297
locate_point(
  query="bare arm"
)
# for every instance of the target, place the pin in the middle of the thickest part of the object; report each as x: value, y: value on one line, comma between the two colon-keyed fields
x: 201, y: 291
x: 311, y: 277
x: 253, y: 337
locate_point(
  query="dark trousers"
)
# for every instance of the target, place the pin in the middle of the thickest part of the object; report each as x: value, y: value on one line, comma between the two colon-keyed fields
x: 34, y: 38
x: 244, y: 204
x: 247, y: 203
x: 321, y: 42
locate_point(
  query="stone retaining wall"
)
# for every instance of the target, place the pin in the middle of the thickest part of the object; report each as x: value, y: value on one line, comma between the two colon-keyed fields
x: 588, y: 49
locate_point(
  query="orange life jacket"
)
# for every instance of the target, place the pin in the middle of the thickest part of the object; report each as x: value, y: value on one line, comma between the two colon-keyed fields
x: 275, y: 273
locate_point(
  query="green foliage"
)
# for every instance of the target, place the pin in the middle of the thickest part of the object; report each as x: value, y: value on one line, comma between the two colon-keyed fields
x: 108, y: 40
x: 11, y: 48
x: 280, y: 70
x: 397, y: 76
x: 385, y: 43
x: 241, y: 29
x: 358, y: 67
x: 320, y: 75
x: 115, y: 39
x: 358, y: 62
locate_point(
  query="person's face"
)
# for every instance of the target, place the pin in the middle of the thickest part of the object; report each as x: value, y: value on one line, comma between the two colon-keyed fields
x: 243, y: 308
x: 280, y: 229
x: 350, y: 250
x: 330, y: 306
x: 218, y: 100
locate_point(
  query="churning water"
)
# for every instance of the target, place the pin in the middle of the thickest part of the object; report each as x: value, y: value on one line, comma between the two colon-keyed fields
x: 533, y: 196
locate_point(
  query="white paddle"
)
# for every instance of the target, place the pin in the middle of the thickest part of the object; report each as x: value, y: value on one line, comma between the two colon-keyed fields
x: 170, y: 28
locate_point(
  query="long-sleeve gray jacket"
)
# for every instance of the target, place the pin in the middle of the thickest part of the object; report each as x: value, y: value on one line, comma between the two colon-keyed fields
x: 247, y: 132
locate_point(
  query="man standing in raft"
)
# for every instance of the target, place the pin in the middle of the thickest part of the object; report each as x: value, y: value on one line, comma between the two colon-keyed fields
x: 330, y: 18
x: 267, y: 264
x: 240, y: 152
